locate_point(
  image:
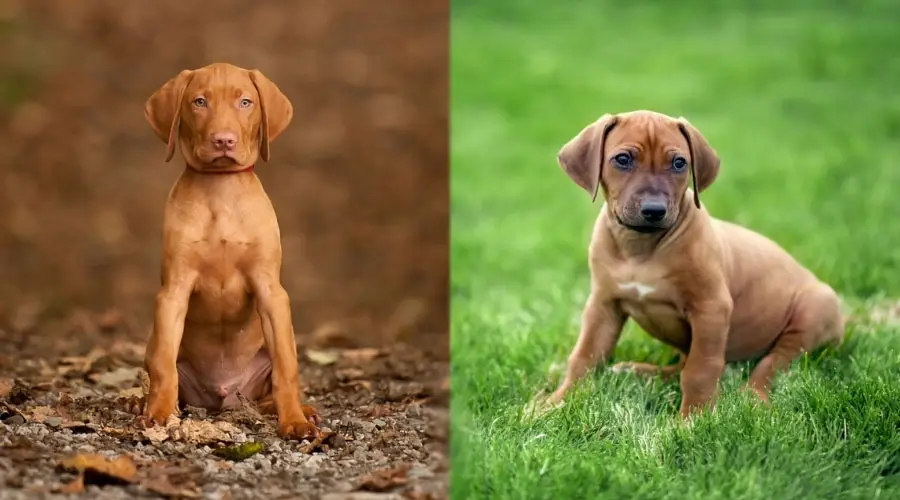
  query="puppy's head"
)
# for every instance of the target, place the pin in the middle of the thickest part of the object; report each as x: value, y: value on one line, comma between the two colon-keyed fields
x: 644, y: 161
x: 223, y: 116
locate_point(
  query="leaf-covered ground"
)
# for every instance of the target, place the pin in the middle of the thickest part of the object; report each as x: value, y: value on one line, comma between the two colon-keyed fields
x: 66, y: 425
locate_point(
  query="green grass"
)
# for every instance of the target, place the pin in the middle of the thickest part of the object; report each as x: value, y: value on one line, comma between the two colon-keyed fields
x: 802, y: 102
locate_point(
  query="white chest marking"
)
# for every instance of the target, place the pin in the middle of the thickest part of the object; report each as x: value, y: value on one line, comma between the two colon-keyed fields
x: 641, y: 289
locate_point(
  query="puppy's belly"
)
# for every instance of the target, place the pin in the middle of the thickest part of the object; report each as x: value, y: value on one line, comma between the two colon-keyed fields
x: 215, y: 382
x: 662, y: 321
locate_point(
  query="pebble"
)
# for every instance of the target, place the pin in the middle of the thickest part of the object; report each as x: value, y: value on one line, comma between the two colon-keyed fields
x: 15, y: 420
x: 379, y: 423
x: 53, y: 421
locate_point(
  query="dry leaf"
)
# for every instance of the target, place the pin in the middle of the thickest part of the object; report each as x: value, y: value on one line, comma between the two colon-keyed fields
x: 348, y: 374
x: 319, y: 443
x: 75, y: 487
x: 116, y: 378
x: 6, y: 385
x: 359, y: 356
x: 365, y: 384
x: 134, y: 392
x: 193, y: 431
x: 323, y: 357
x: 110, y: 320
x: 19, y: 393
x: 80, y: 364
x: 96, y: 469
x: 384, y: 479
x: 40, y: 413
x: 162, y: 485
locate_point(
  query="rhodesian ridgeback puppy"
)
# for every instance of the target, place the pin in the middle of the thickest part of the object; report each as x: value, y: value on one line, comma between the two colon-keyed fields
x: 222, y: 326
x: 715, y: 291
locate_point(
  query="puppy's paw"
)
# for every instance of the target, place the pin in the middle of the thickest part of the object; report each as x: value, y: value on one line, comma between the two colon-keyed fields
x: 157, y: 411
x: 623, y: 367
x: 297, y: 429
x: 762, y: 398
x: 311, y: 414
x: 541, y: 405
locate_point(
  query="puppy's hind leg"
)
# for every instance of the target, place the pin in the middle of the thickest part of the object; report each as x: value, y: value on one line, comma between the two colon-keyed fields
x: 816, y: 321
x: 649, y: 370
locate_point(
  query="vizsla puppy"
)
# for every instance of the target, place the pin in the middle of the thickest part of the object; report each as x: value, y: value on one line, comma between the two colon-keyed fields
x: 715, y: 291
x: 223, y: 320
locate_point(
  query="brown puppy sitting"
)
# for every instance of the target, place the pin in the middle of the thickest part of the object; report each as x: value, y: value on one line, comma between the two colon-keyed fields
x: 715, y: 291
x: 223, y: 320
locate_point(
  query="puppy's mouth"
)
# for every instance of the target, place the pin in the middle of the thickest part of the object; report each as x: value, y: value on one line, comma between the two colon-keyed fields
x: 643, y: 228
x: 219, y: 159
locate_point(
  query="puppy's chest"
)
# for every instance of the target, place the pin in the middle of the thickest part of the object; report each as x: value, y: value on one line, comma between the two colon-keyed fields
x: 641, y: 282
x: 649, y: 296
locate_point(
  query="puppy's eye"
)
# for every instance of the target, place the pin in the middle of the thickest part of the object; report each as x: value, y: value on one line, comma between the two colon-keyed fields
x: 623, y: 160
x: 679, y: 164
x: 246, y: 103
x: 200, y: 102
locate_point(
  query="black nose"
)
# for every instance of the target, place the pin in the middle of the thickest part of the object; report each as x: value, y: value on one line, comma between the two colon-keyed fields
x: 653, y: 211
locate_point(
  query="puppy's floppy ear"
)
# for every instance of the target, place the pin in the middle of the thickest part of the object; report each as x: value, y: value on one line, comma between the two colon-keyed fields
x: 163, y: 110
x: 582, y: 157
x: 704, y: 160
x: 276, y: 111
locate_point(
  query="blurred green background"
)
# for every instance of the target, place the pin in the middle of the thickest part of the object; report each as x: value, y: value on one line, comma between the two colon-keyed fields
x: 802, y: 102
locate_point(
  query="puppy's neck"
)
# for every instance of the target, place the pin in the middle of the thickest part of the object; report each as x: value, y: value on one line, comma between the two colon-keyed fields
x: 632, y: 244
x: 239, y: 170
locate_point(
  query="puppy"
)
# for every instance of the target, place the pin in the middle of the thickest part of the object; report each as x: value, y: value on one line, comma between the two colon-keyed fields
x: 223, y: 321
x: 713, y: 290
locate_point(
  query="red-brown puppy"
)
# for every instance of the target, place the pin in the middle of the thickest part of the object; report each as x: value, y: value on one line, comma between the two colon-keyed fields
x: 715, y: 291
x: 223, y: 320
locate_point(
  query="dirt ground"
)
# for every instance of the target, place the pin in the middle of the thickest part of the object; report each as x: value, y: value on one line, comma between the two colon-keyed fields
x: 359, y: 182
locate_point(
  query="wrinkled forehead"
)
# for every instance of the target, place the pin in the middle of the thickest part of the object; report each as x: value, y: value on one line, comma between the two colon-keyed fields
x: 224, y: 81
x: 646, y: 132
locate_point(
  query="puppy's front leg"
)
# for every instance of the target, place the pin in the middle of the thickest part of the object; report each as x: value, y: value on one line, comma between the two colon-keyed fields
x: 601, y: 326
x: 274, y: 308
x: 162, y: 349
x: 705, y: 361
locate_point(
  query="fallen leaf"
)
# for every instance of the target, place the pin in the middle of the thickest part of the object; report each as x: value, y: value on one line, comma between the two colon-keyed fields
x: 19, y: 393
x: 319, y: 443
x: 193, y: 431
x: 96, y: 469
x: 75, y: 487
x: 384, y: 479
x: 6, y: 385
x: 134, y: 392
x: 418, y: 495
x: 365, y: 384
x: 323, y: 357
x: 145, y: 381
x: 40, y: 413
x: 360, y: 355
x: 162, y: 485
x: 239, y: 452
x: 116, y: 378
x: 348, y: 374
x: 80, y: 364
x: 110, y: 320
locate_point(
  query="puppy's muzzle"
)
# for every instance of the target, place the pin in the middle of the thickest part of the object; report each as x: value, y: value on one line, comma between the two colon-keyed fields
x: 653, y: 211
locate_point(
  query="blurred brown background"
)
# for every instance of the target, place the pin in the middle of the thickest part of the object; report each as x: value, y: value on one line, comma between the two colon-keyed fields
x: 359, y: 179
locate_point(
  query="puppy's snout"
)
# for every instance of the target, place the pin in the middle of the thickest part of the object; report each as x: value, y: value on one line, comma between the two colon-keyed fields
x: 224, y: 141
x: 653, y: 210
